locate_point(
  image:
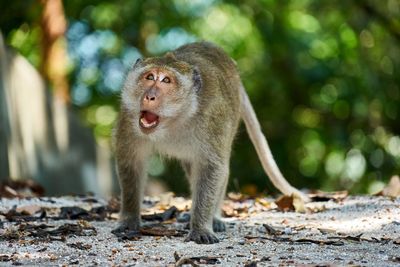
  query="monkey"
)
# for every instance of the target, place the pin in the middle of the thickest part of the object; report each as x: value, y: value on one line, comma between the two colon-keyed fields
x: 186, y: 105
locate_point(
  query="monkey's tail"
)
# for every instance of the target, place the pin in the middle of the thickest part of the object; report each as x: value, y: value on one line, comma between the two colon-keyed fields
x: 264, y: 152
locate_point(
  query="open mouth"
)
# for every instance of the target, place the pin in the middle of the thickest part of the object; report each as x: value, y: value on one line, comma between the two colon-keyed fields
x: 148, y: 120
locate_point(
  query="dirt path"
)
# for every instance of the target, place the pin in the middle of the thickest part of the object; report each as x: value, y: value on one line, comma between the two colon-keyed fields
x: 362, y: 231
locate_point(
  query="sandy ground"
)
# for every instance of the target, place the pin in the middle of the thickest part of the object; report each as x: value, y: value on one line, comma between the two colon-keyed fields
x: 359, y: 231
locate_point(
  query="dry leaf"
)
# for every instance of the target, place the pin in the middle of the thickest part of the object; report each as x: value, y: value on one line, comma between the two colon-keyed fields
x: 28, y: 209
x: 291, y: 203
x: 250, y: 190
x: 271, y: 230
x: 161, y: 231
x: 21, y: 189
x: 166, y: 198
x: 315, y: 207
x: 228, y: 210
x: 237, y: 196
x: 318, y: 196
x: 181, y: 203
x: 163, y: 216
x: 265, y: 203
x: 285, y: 203
x: 392, y: 189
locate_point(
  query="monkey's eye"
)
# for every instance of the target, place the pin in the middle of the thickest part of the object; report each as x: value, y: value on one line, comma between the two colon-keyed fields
x: 166, y: 80
x: 150, y: 77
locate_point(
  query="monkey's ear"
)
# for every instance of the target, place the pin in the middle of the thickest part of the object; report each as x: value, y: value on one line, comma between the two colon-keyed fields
x: 170, y: 55
x: 138, y: 61
x: 197, y: 81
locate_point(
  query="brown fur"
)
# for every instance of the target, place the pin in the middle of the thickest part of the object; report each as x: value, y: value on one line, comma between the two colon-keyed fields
x: 199, y: 113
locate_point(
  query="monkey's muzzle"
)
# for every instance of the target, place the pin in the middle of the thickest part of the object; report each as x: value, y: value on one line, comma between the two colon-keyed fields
x: 148, y: 120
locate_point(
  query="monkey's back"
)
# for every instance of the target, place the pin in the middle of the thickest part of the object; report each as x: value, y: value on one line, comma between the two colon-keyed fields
x: 219, y: 100
x: 195, y: 52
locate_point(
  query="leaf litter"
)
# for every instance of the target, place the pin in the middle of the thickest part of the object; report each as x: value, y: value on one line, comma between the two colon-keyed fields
x: 259, y: 229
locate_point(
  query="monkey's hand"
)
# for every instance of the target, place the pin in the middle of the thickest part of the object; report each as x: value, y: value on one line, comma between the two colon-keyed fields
x: 202, y: 237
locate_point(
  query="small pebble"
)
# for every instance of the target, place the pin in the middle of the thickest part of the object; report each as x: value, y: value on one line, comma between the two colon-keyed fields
x: 287, y: 230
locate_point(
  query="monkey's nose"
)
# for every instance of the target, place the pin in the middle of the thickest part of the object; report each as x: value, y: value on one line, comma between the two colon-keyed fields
x: 150, y: 95
x: 150, y: 98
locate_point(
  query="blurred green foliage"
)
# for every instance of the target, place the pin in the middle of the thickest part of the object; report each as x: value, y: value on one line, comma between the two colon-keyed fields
x: 324, y: 76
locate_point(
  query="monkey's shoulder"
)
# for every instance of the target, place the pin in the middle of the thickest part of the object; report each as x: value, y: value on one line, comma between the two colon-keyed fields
x: 205, y: 54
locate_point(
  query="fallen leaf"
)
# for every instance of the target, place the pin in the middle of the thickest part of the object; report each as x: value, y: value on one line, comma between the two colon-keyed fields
x: 354, y: 238
x: 126, y: 235
x: 5, y: 257
x: 314, y: 207
x: 392, y: 189
x: 291, y: 203
x: 73, y: 213
x: 229, y: 211
x: 181, y: 203
x: 285, y: 203
x: 194, y: 261
x: 321, y: 196
x: 395, y: 259
x: 236, y: 209
x: 250, y: 189
x: 265, y: 203
x: 28, y: 209
x: 114, y: 205
x: 21, y: 189
x: 13, y: 215
x: 63, y: 231
x: 250, y: 264
x: 327, y: 230
x: 163, y: 216
x: 300, y: 240
x: 166, y: 198
x: 180, y: 261
x: 237, y: 196
x: 161, y: 231
x: 80, y: 245
x: 271, y: 230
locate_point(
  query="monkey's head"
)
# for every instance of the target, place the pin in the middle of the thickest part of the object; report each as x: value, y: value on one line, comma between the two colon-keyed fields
x: 161, y: 94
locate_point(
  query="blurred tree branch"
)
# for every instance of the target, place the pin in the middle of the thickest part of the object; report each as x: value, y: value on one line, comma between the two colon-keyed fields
x: 54, y: 63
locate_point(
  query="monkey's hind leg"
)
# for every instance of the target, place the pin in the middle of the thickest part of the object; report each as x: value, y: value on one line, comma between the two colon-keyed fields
x: 218, y: 225
x: 205, y: 189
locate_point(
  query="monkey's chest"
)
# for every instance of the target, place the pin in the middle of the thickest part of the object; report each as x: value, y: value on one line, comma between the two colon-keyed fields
x: 177, y: 150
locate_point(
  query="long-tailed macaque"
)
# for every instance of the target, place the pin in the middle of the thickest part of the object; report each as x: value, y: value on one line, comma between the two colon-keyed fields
x: 187, y: 105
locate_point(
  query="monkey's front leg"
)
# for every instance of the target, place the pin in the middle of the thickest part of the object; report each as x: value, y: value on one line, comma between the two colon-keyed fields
x: 205, y: 189
x: 132, y: 177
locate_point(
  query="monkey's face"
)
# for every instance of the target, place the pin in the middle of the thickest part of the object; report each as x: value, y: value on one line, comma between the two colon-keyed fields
x: 161, y: 97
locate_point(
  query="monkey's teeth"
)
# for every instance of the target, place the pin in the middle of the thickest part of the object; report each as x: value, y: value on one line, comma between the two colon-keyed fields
x: 145, y: 124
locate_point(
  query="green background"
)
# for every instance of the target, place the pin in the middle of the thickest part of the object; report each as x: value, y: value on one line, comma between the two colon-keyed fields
x: 323, y: 77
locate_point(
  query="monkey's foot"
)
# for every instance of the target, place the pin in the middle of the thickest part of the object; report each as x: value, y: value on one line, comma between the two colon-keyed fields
x: 126, y: 227
x: 218, y: 224
x: 202, y: 237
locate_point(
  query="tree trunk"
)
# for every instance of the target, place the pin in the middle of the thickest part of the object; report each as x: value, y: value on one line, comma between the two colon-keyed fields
x: 54, y: 55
